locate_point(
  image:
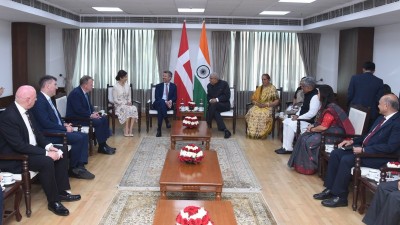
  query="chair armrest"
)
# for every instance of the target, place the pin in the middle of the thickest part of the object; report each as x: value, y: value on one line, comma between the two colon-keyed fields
x: 248, y: 106
x: 327, y: 134
x: 305, y: 120
x: 14, y: 157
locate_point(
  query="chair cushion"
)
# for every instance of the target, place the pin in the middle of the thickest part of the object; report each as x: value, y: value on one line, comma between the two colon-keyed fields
x: 18, y: 176
x: 154, y: 112
x: 227, y: 113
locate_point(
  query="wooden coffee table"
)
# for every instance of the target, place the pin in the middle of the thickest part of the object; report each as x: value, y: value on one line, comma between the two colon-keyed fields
x: 181, y: 133
x: 220, y: 212
x: 13, y: 190
x: 182, y: 177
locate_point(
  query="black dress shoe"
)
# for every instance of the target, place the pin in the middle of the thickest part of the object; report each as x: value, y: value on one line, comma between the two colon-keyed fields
x: 67, y: 197
x: 112, y: 150
x: 110, y: 147
x: 227, y: 133
x: 58, y: 208
x: 334, y: 202
x: 158, y: 133
x: 81, y: 173
x: 105, y: 150
x: 283, y: 151
x: 325, y: 194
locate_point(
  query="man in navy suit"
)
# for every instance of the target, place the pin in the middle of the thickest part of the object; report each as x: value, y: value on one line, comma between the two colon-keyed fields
x: 78, y: 105
x: 165, y: 97
x: 366, y: 89
x: 383, y: 138
x: 49, y: 120
x: 385, y: 206
x: 19, y: 135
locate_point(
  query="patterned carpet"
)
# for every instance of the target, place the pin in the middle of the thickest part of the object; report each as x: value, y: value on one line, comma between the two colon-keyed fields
x: 136, y: 207
x: 144, y: 171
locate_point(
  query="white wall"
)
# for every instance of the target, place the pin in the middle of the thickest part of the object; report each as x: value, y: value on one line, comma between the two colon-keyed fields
x: 6, y: 58
x: 387, y: 55
x: 328, y: 58
x: 54, y: 54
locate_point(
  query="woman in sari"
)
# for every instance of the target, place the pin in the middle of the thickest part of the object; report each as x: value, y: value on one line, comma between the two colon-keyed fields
x: 330, y: 118
x: 259, y: 118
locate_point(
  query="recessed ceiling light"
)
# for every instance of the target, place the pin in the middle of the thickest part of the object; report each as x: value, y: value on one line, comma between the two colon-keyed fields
x: 191, y: 10
x: 297, y: 1
x: 275, y: 13
x: 107, y: 9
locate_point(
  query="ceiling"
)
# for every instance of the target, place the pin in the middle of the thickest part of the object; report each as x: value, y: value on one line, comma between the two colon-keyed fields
x: 12, y: 11
x: 221, y: 8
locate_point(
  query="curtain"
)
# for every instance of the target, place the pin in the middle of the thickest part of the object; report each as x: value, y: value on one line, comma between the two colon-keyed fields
x: 309, y: 48
x: 220, y: 46
x: 103, y: 52
x: 162, y: 43
x: 70, y: 46
x: 256, y: 53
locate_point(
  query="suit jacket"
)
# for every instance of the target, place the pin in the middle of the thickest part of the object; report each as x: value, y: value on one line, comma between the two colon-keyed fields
x: 365, y: 89
x: 77, y: 105
x: 45, y: 116
x: 171, y: 92
x: 221, y: 91
x: 14, y: 137
x: 386, y: 140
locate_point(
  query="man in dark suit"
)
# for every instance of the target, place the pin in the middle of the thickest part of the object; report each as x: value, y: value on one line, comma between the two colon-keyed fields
x: 218, y: 97
x: 165, y: 97
x: 366, y: 89
x: 385, y: 206
x: 78, y: 105
x: 383, y: 138
x: 49, y: 120
x: 19, y: 134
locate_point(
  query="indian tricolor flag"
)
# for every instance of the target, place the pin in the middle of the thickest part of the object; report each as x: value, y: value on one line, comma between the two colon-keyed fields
x: 183, y: 71
x: 203, y: 69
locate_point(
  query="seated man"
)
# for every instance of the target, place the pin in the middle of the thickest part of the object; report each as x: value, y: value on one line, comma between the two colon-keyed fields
x: 49, y: 120
x: 307, y: 111
x: 78, y: 105
x: 19, y: 135
x: 383, y: 138
x: 385, y: 206
x: 165, y: 97
x: 218, y: 96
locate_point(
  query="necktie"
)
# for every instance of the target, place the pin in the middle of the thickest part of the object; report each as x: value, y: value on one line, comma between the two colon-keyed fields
x: 55, y: 112
x: 366, y: 140
x: 29, y: 120
x: 166, y: 90
x: 87, y: 100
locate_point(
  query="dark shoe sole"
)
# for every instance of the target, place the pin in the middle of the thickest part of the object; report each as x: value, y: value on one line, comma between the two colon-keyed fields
x: 339, y: 204
x: 321, y: 196
x: 57, y: 213
x: 282, y: 151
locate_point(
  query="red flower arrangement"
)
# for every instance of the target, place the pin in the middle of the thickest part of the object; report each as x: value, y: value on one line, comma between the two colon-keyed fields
x: 193, y: 215
x: 191, y: 154
x: 191, y: 105
x: 190, y: 122
x: 393, y: 164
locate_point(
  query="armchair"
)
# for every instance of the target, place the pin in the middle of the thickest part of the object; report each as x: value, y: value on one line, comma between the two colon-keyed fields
x: 111, y: 108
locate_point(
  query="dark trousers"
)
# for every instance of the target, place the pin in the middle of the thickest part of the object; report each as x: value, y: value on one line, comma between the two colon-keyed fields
x: 1, y: 208
x: 78, y: 155
x: 162, y: 109
x: 53, y: 175
x: 339, y: 170
x: 102, y: 130
x: 385, y: 206
x: 214, y: 112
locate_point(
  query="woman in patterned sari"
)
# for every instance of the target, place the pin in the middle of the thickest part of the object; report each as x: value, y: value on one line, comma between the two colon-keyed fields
x: 259, y: 118
x: 330, y: 118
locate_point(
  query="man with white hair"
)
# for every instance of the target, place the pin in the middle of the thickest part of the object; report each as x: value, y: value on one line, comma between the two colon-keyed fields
x: 307, y: 111
x: 19, y: 134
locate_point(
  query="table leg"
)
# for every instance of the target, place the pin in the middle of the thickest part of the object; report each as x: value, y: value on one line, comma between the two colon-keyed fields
x: 17, y: 201
x: 208, y: 144
x: 218, y: 196
x: 173, y: 143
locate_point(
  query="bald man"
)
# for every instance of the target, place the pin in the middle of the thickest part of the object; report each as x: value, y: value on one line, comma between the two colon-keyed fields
x: 19, y: 134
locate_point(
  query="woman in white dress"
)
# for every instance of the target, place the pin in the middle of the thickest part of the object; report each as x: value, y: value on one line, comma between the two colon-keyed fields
x: 126, y: 112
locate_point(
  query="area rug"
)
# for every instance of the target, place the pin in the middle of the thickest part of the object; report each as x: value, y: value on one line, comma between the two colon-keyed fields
x: 144, y: 171
x: 135, y: 207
